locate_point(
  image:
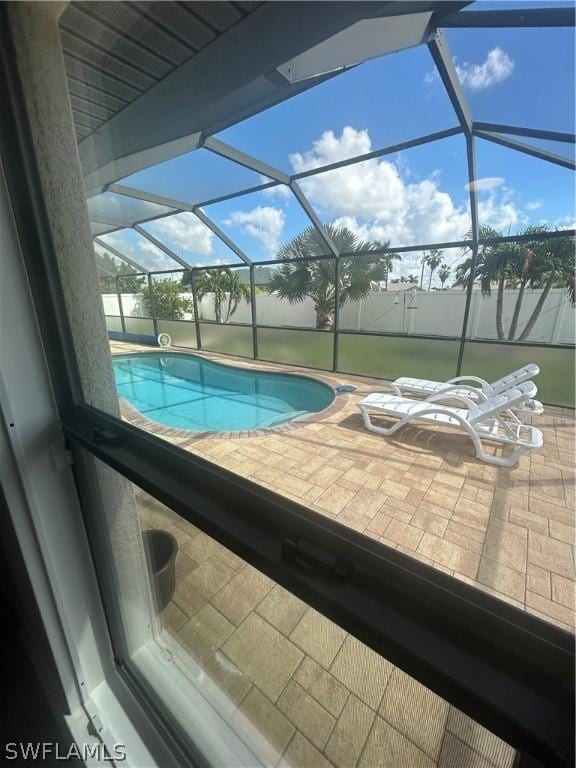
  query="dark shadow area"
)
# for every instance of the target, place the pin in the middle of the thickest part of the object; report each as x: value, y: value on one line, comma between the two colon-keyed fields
x: 26, y: 714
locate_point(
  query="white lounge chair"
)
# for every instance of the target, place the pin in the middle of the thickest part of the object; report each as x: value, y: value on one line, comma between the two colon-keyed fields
x: 477, y: 390
x: 493, y: 420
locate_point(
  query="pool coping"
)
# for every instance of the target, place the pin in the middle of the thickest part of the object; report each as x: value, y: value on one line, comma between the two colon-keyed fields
x: 137, y: 419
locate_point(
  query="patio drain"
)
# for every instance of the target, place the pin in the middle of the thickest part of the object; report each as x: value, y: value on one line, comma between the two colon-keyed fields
x: 345, y: 388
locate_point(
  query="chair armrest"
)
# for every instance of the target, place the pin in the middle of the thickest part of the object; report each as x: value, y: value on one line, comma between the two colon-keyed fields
x: 474, y: 391
x: 483, y: 383
x: 440, y: 396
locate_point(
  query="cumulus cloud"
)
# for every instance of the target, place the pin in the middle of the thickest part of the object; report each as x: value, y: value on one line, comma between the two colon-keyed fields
x: 264, y: 223
x: 565, y: 222
x: 280, y: 191
x: 140, y: 250
x: 490, y: 182
x: 373, y: 199
x: 496, y: 67
x: 534, y: 205
x: 330, y: 148
x: 184, y: 232
x: 498, y: 210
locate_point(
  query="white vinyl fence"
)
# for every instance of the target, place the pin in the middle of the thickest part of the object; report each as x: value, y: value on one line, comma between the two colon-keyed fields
x: 435, y: 313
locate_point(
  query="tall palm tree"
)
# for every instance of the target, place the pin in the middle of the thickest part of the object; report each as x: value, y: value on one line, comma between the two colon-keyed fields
x: 552, y: 266
x: 390, y: 257
x: 523, y: 273
x: 298, y: 277
x: 227, y: 290
x: 444, y: 273
x: 433, y: 260
x: 540, y: 263
x: 493, y: 264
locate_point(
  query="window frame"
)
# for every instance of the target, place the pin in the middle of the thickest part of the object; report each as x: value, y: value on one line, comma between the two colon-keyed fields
x: 479, y: 653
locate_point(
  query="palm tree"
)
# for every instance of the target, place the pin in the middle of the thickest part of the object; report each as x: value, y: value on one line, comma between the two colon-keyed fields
x: 493, y: 264
x: 444, y: 273
x: 552, y: 266
x: 227, y: 289
x: 433, y: 260
x: 390, y: 257
x: 299, y: 277
x: 412, y: 279
x: 535, y: 264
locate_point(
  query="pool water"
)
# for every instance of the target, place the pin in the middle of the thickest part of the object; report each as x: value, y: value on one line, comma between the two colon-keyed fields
x: 189, y: 392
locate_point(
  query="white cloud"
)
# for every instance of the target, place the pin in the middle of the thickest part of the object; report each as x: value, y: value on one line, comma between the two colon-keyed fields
x: 141, y: 250
x: 280, y: 191
x: 330, y: 148
x: 490, y: 182
x: 499, y: 211
x: 119, y: 209
x: 496, y: 67
x: 534, y: 205
x: 264, y: 222
x: 373, y: 199
x: 185, y: 232
x: 565, y: 222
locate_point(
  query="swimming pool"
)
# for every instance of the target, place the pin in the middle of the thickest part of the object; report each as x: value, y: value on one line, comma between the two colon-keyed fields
x: 189, y: 392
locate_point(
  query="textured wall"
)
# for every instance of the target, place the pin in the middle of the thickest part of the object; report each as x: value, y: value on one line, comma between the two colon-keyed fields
x: 42, y: 73
x: 41, y: 67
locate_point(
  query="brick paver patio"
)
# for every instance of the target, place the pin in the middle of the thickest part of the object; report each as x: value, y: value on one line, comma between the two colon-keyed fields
x: 311, y: 695
x: 321, y: 697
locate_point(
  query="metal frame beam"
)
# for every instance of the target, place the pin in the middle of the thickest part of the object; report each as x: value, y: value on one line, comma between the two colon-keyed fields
x: 526, y: 149
x: 120, y: 306
x: 552, y: 235
x: 247, y: 161
x: 150, y: 197
x: 518, y: 17
x: 160, y: 245
x: 206, y: 220
x: 121, y: 256
x: 471, y: 158
x: 535, y: 133
x: 195, y: 306
x: 152, y: 301
x: 180, y: 207
x: 254, y: 317
x: 311, y: 213
x: 409, y: 248
x: 477, y: 129
x: 443, y: 59
x: 390, y: 150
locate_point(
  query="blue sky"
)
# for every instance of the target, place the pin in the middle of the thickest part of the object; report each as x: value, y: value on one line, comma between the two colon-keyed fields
x: 510, y: 76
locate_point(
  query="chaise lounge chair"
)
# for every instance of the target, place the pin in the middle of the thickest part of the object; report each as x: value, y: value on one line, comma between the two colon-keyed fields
x: 478, y: 391
x: 492, y: 420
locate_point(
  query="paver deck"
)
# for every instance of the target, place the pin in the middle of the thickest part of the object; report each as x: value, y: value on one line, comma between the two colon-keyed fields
x: 319, y: 695
x: 299, y: 690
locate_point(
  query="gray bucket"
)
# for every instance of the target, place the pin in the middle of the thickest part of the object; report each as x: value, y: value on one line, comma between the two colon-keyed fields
x: 161, y: 549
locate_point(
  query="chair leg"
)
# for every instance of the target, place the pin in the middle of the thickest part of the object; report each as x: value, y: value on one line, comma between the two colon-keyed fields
x: 510, y: 461
x: 372, y: 427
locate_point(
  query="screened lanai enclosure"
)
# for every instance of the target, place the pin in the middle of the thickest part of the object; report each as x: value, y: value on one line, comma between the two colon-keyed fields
x: 289, y: 206
x: 394, y: 200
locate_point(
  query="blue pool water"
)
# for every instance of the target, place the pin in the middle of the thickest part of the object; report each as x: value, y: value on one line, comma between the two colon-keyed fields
x: 189, y: 392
